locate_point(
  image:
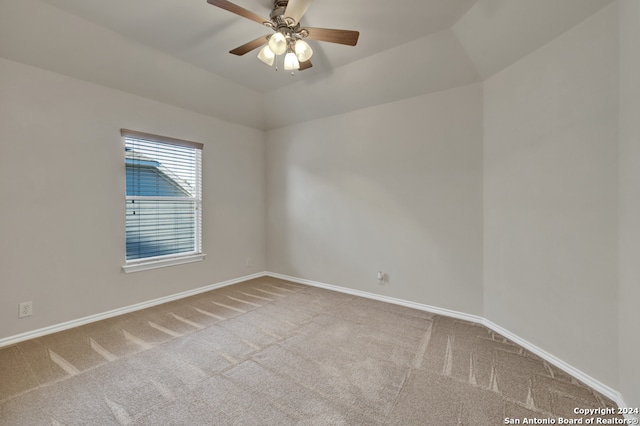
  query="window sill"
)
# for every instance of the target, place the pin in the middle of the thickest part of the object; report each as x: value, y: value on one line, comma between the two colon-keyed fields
x: 161, y: 263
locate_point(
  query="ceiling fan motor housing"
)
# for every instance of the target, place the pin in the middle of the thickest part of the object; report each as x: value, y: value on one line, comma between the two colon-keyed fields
x: 284, y: 20
x: 278, y: 21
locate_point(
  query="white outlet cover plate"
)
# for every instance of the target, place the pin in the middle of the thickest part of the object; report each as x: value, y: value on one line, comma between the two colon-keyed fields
x: 26, y: 309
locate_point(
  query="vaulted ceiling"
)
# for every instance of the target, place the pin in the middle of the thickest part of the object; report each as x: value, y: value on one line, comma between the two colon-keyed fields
x: 177, y: 51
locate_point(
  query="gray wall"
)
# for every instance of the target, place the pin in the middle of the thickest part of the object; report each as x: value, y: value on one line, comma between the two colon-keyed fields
x: 62, y: 186
x: 396, y: 188
x: 629, y: 291
x: 550, y: 196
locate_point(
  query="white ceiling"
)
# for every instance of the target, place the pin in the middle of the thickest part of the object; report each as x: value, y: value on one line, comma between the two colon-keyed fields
x: 406, y: 48
x: 201, y: 34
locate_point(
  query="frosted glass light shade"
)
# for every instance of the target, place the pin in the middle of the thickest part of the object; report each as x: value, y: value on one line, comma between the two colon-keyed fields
x: 266, y: 55
x: 291, y: 61
x: 303, y: 50
x: 278, y: 43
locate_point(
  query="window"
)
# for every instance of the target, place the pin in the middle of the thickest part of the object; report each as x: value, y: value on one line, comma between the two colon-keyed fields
x: 163, y: 201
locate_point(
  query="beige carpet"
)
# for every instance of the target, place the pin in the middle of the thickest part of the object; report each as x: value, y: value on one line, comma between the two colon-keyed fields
x: 271, y: 352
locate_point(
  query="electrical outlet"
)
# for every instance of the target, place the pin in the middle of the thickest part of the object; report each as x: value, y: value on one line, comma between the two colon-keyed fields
x: 26, y: 309
x: 248, y: 262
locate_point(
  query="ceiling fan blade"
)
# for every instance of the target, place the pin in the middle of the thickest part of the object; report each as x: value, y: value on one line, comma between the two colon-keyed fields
x: 296, y: 8
x: 347, y: 37
x: 234, y: 8
x: 305, y: 65
x: 248, y: 47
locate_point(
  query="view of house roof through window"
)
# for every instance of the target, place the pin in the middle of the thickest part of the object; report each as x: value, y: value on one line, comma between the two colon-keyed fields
x: 163, y: 197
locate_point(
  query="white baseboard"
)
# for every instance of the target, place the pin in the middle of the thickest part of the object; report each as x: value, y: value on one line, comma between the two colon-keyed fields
x: 401, y: 302
x: 11, y: 340
x: 567, y: 368
x: 633, y: 420
x: 583, y: 377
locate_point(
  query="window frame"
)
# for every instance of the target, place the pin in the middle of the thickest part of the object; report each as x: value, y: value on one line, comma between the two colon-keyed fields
x: 197, y: 254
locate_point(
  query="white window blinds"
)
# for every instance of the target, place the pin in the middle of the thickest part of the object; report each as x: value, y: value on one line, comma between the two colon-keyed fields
x: 163, y: 197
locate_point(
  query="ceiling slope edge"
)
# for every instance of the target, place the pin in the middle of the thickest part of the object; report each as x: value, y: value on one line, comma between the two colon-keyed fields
x: 498, y: 33
x: 37, y: 34
x: 491, y: 36
x: 427, y: 65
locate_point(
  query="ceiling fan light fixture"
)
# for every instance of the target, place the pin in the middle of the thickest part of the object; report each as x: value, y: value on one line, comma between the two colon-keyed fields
x: 291, y: 61
x: 284, y: 20
x: 266, y: 55
x: 303, y: 50
x: 278, y: 43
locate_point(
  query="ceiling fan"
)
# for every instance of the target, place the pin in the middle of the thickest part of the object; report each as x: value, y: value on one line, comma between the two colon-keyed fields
x: 288, y: 37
